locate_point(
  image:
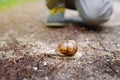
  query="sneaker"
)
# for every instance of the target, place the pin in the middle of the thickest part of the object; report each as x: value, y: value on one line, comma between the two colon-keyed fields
x: 56, y: 20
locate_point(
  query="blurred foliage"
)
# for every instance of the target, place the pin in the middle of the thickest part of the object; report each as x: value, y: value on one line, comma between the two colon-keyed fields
x: 5, y: 4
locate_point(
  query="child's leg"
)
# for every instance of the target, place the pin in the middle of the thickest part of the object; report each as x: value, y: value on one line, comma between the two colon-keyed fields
x: 55, y: 6
x: 54, y: 3
x: 57, y: 10
x: 70, y: 4
x: 94, y: 11
x: 60, y: 4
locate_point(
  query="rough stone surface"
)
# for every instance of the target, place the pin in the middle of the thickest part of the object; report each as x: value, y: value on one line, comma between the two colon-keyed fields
x: 24, y: 41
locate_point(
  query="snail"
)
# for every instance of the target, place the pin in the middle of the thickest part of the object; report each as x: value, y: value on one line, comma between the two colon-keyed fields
x: 67, y: 48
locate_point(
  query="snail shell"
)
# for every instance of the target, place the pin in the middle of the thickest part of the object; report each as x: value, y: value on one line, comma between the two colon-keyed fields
x: 67, y: 48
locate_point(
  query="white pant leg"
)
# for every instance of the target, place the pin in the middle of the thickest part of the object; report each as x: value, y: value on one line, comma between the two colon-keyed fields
x: 94, y: 11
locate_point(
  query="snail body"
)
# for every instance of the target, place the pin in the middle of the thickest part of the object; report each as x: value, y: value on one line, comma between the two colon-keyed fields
x: 67, y: 48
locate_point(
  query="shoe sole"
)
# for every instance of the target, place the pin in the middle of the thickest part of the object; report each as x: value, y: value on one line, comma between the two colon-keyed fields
x: 55, y: 25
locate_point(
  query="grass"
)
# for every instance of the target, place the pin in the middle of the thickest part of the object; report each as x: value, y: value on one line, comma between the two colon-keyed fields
x: 5, y: 4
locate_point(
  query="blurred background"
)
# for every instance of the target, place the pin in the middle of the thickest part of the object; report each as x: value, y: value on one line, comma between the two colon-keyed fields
x: 5, y: 4
x: 24, y: 37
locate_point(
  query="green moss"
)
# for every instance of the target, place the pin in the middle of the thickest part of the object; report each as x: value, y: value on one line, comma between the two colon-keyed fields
x: 5, y: 4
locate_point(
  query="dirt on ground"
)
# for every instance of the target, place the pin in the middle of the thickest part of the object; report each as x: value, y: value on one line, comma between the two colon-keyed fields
x: 25, y: 41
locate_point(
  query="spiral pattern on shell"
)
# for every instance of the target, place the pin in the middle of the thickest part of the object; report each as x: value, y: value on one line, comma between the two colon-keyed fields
x: 67, y: 48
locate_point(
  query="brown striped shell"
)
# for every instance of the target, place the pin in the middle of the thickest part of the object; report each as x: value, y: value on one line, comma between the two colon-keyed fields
x: 67, y: 48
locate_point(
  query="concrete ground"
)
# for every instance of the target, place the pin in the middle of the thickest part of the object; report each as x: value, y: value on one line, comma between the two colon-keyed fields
x: 25, y: 41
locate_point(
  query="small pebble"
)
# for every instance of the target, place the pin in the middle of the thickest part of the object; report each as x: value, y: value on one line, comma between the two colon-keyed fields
x: 35, y: 68
x: 44, y: 63
x: 46, y: 77
x: 25, y: 79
